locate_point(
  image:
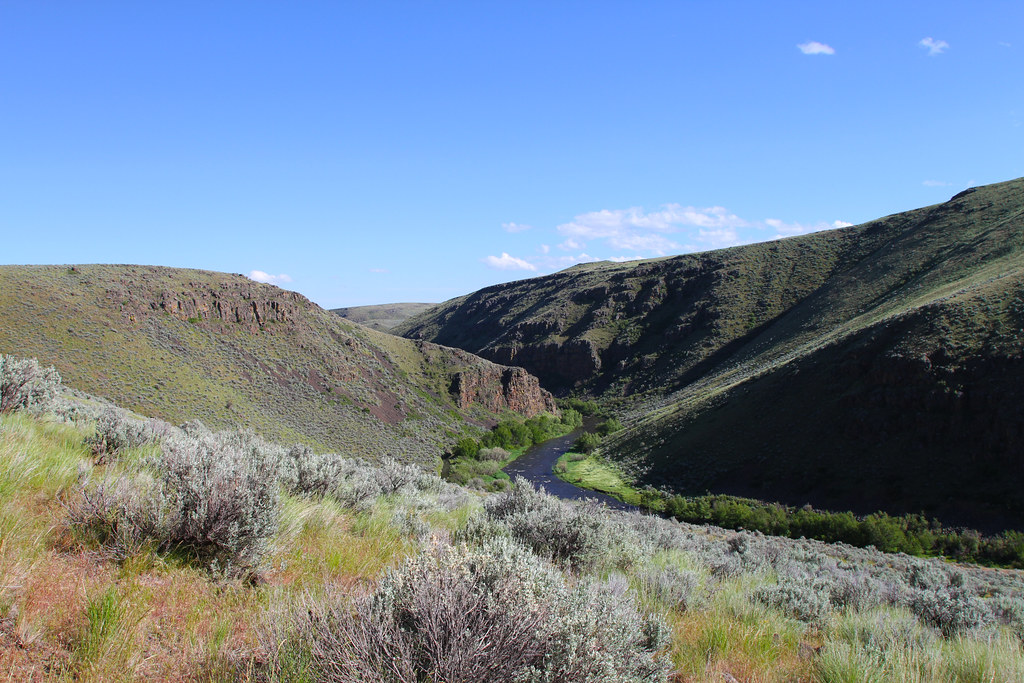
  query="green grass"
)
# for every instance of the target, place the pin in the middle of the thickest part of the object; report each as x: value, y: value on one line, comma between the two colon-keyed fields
x: 104, y: 330
x: 594, y: 473
x: 149, y: 617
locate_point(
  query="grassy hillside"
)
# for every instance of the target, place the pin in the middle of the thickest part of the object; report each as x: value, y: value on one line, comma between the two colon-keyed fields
x: 355, y: 572
x: 382, y: 317
x: 183, y: 344
x: 873, y: 366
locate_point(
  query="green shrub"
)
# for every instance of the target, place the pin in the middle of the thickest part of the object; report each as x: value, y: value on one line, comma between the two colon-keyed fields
x: 587, y: 443
x: 466, y: 448
x: 609, y: 426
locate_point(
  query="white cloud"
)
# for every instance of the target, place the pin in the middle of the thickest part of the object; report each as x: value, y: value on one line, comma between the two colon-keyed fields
x: 652, y: 243
x: 720, y: 238
x: 936, y: 183
x: 515, y: 227
x: 260, y: 276
x: 934, y: 47
x: 544, y: 249
x: 566, y: 261
x: 783, y: 229
x: 379, y: 270
x: 506, y: 262
x: 815, y: 48
x: 635, y: 229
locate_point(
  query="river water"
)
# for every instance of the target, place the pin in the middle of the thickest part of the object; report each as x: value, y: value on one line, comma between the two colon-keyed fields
x: 537, y: 464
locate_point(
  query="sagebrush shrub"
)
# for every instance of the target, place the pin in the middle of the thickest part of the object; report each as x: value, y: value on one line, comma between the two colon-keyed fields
x: 215, y: 499
x: 460, y: 614
x: 806, y: 600
x: 122, y: 516
x: 570, y: 534
x: 223, y: 492
x: 25, y: 384
x: 309, y: 473
x: 951, y: 610
x: 116, y: 430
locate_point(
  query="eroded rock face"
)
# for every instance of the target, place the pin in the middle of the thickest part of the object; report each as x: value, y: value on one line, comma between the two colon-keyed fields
x: 238, y: 302
x: 499, y: 388
x: 562, y: 365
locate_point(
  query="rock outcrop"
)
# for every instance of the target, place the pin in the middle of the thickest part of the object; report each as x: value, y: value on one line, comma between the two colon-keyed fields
x: 498, y: 388
x: 237, y: 301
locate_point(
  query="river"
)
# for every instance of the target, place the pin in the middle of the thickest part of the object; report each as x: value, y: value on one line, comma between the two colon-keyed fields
x: 537, y: 464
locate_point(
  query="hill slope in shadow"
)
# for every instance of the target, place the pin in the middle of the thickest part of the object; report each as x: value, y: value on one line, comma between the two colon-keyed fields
x: 870, y: 367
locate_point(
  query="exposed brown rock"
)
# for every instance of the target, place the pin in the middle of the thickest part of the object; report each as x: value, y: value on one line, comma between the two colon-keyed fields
x: 501, y: 388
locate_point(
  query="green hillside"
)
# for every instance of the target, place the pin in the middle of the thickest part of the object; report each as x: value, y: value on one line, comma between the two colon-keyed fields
x: 871, y: 367
x: 184, y: 344
x: 382, y: 317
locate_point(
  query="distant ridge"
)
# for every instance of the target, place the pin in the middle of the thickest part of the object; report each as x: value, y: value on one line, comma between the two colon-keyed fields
x: 183, y: 344
x: 876, y: 366
x: 382, y: 317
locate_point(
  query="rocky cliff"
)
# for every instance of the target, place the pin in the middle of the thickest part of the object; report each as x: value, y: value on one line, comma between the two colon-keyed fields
x: 500, y: 388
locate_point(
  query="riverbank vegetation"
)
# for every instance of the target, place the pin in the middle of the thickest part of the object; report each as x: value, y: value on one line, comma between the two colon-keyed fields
x: 131, y: 551
x: 913, y: 534
x: 477, y: 463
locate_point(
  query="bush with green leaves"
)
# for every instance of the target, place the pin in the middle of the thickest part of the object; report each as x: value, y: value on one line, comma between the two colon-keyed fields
x: 464, y: 614
x: 24, y: 384
x: 588, y: 442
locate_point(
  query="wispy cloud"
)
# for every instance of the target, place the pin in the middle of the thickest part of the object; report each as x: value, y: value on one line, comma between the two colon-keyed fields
x: 507, y: 262
x: 260, y: 276
x: 934, y: 47
x: 515, y: 227
x: 936, y: 183
x: 638, y: 233
x: 783, y: 229
x: 635, y: 229
x: 815, y: 48
x: 379, y: 270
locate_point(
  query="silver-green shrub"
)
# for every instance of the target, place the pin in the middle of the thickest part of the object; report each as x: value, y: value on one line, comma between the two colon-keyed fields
x: 804, y: 599
x: 214, y: 499
x: 224, y: 499
x: 461, y: 614
x: 308, y: 473
x: 951, y: 610
x: 117, y: 430
x: 24, y: 384
x: 570, y: 534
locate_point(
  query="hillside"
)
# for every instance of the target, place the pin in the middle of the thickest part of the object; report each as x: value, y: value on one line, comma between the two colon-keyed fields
x: 187, y: 555
x: 382, y: 317
x: 184, y: 344
x: 867, y: 367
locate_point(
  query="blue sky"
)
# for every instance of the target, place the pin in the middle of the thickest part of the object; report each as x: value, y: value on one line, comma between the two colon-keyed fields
x: 414, y: 151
